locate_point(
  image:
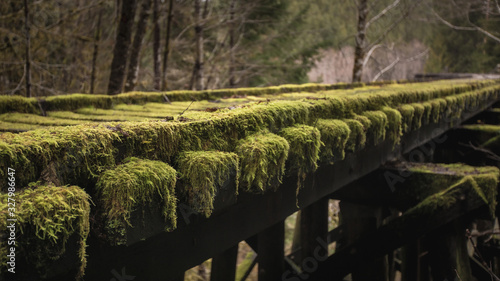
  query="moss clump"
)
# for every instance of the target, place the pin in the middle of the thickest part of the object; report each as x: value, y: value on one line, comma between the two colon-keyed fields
x: 379, y: 123
x: 134, y: 183
x: 394, y: 124
x: 357, y: 138
x: 426, y: 118
x: 305, y: 144
x: 203, y: 173
x: 47, y: 216
x: 75, y: 101
x: 17, y: 127
x: 417, y: 115
x: 334, y: 136
x: 262, y: 165
x: 407, y: 112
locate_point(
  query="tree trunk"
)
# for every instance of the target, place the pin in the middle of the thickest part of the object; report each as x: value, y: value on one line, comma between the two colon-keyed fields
x: 122, y: 45
x: 133, y: 67
x: 156, y: 45
x: 360, y: 51
x: 166, y: 53
x: 198, y: 65
x: 232, y: 24
x: 28, y: 55
x: 95, y: 53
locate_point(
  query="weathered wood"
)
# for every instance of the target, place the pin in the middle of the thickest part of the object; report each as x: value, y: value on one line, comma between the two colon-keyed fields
x: 448, y: 253
x: 313, y: 224
x: 394, y: 235
x: 359, y: 220
x: 271, y: 243
x: 224, y: 265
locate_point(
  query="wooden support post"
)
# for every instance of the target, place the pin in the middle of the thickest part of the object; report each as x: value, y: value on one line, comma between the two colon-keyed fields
x: 271, y: 252
x: 224, y: 265
x: 359, y: 220
x: 410, y: 262
x: 313, y: 227
x: 448, y: 253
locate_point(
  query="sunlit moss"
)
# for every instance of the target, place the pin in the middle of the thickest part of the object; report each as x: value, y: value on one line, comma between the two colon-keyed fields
x: 203, y: 173
x: 134, y: 183
x: 262, y: 157
x: 334, y: 136
x: 47, y: 216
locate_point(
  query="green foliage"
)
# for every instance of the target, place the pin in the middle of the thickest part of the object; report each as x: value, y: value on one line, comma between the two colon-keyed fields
x: 262, y: 165
x: 203, y: 173
x: 47, y: 216
x: 135, y: 183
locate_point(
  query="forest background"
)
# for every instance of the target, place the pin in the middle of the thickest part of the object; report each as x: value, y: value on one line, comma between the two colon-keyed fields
x: 108, y: 47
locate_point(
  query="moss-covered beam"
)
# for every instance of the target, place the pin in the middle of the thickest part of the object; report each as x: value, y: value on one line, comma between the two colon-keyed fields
x: 334, y: 136
x: 203, y: 174
x: 262, y: 165
x: 47, y: 216
x: 135, y: 183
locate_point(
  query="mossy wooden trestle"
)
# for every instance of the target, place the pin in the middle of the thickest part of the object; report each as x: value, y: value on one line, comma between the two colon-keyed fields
x: 153, y: 198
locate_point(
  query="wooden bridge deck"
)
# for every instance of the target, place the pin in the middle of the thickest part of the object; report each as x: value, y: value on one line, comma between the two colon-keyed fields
x: 228, y: 167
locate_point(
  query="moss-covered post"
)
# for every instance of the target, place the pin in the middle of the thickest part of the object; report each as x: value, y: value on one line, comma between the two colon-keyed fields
x: 271, y: 252
x: 359, y: 219
x: 224, y: 265
x: 448, y: 253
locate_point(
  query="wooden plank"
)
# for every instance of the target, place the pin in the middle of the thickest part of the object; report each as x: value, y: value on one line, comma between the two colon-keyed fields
x: 313, y: 226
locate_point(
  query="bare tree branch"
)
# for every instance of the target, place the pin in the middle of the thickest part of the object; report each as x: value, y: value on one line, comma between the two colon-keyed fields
x: 389, y: 67
x: 466, y: 28
x: 382, y: 13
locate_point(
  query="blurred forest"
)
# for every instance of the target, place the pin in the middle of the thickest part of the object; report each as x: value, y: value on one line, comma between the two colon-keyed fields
x: 107, y: 47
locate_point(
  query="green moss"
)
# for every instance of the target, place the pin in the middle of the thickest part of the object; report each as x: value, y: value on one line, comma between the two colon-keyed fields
x: 75, y: 101
x: 418, y: 115
x: 494, y: 129
x: 18, y: 104
x: 203, y: 174
x: 357, y: 138
x: 394, y: 124
x: 86, y: 117
x: 47, y: 216
x: 263, y: 157
x: 305, y: 144
x: 379, y: 123
x: 37, y: 119
x: 78, y: 153
x: 427, y: 116
x: 334, y: 136
x: 134, y: 183
x: 407, y: 112
x: 17, y: 127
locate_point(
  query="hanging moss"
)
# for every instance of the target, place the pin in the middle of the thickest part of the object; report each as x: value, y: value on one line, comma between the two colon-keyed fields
x: 305, y: 144
x: 203, y: 173
x: 134, y: 183
x: 379, y: 123
x: 407, y: 112
x: 263, y: 157
x: 334, y: 136
x: 357, y: 137
x: 394, y: 124
x: 47, y: 216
